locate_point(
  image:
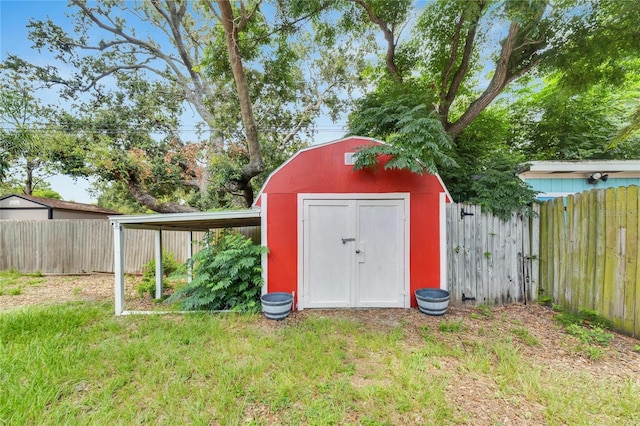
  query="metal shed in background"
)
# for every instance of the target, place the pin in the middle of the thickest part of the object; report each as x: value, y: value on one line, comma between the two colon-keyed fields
x: 27, y: 207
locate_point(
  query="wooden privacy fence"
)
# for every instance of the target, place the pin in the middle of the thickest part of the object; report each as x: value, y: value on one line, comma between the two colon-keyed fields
x: 491, y: 261
x: 589, y: 254
x: 84, y: 246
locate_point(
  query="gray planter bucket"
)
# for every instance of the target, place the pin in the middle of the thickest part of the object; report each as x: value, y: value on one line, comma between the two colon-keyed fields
x: 276, y: 306
x: 432, y: 301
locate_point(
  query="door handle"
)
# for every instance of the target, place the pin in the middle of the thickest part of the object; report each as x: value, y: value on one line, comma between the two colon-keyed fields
x: 360, y: 252
x: 345, y: 240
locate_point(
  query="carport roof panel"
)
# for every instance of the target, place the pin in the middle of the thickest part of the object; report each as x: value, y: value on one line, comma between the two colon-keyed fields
x: 200, y: 221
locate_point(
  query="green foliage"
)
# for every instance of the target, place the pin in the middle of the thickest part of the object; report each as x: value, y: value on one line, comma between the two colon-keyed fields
x: 500, y: 191
x: 416, y: 140
x: 115, y: 196
x: 585, y: 317
x: 148, y: 283
x: 592, y: 335
x: 545, y: 300
x: 485, y: 310
x: 479, y: 168
x: 559, y: 122
x: 46, y: 193
x: 590, y: 328
x: 12, y: 282
x: 603, y: 36
x: 227, y: 275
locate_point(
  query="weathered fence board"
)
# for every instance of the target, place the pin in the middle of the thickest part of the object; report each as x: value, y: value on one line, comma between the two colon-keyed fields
x: 83, y: 246
x: 594, y: 252
x: 489, y: 260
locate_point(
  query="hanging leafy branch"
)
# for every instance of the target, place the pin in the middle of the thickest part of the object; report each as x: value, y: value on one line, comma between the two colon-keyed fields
x: 415, y: 138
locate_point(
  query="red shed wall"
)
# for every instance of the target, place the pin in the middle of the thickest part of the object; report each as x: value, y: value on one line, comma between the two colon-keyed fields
x: 322, y: 170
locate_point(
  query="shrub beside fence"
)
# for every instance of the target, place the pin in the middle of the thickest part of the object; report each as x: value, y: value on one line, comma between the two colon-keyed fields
x: 589, y: 254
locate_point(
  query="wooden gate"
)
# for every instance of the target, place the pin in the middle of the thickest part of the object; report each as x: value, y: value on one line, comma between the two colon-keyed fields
x: 491, y: 261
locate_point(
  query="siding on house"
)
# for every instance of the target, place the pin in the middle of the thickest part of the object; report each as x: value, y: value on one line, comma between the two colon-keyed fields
x: 574, y: 185
x: 34, y: 214
x: 562, y: 178
x: 26, y: 207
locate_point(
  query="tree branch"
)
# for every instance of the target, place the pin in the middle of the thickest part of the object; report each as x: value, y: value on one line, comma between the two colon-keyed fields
x: 193, y: 89
x: 389, y: 37
x: 304, y: 115
x: 152, y: 203
x: 462, y: 70
x: 498, y: 82
x: 452, y: 60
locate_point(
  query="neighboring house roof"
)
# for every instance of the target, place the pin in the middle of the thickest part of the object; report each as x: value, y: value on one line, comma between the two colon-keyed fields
x: 581, y: 168
x: 62, y: 205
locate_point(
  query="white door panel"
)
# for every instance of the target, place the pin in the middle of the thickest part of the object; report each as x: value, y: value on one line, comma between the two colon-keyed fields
x: 380, y: 274
x: 328, y: 260
x: 353, y: 253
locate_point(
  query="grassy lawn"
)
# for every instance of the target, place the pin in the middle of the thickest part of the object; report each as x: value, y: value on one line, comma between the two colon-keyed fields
x: 12, y: 282
x: 76, y: 363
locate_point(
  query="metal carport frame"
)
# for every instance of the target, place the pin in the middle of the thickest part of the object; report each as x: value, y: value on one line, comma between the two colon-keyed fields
x: 188, y: 222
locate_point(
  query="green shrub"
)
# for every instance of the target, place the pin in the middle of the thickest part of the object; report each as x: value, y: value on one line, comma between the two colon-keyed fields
x: 588, y: 326
x: 590, y: 335
x: 586, y: 317
x: 227, y: 276
x: 148, y: 284
x: 545, y: 300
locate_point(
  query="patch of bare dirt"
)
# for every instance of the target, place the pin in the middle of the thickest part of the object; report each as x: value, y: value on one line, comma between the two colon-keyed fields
x: 52, y: 289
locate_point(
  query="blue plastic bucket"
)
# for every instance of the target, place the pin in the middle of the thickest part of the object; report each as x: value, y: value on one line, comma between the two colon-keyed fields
x: 277, y: 305
x: 432, y: 301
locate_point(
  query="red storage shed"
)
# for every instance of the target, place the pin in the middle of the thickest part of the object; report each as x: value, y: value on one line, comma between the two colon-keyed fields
x: 344, y: 238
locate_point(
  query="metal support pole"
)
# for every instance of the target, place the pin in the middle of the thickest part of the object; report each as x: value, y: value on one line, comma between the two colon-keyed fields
x: 118, y: 251
x: 189, y: 257
x: 158, y: 264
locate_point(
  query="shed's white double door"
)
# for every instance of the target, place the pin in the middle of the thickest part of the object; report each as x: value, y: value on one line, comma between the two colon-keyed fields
x: 353, y: 253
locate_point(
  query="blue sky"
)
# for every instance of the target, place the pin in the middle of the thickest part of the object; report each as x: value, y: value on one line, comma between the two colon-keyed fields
x: 14, y: 17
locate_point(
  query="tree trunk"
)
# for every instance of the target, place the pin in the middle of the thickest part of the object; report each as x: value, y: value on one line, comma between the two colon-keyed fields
x: 28, y: 182
x: 256, y: 163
